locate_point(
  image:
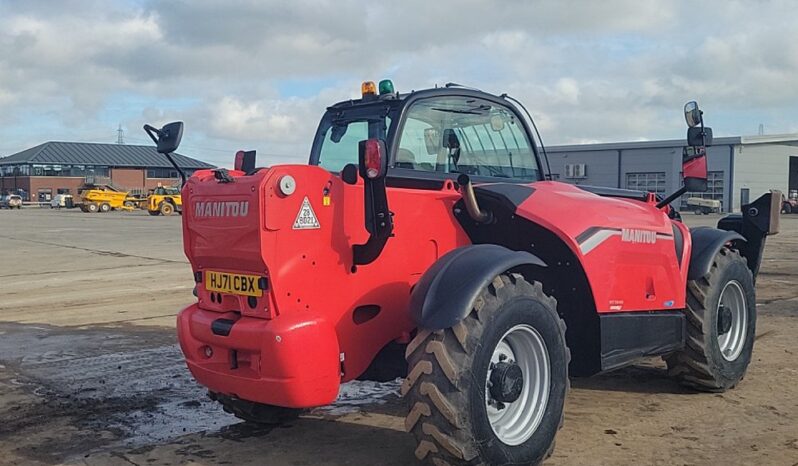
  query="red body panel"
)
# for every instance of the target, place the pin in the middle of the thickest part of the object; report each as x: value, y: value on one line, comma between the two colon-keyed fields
x: 301, y: 339
x: 311, y: 282
x: 634, y: 266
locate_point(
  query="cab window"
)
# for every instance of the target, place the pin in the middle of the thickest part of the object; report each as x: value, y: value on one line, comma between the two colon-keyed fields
x: 339, y: 145
x: 465, y: 135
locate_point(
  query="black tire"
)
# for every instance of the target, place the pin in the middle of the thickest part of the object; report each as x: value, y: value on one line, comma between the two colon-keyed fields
x: 167, y: 208
x: 255, y: 412
x: 446, y: 384
x: 701, y: 365
x: 786, y: 208
x: 92, y: 207
x: 154, y: 213
x: 129, y: 204
x: 105, y: 207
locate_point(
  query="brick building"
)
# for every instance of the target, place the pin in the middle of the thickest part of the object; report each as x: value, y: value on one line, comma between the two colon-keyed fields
x: 54, y: 168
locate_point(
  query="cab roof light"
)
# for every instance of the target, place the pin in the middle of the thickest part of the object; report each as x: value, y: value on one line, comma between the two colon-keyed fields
x: 368, y: 88
x: 386, y: 87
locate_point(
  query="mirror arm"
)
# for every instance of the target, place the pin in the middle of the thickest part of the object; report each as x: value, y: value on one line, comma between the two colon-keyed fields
x: 153, y: 133
x: 179, y: 170
x: 672, y: 197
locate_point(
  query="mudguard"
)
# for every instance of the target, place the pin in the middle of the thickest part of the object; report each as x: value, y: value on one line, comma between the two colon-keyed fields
x: 757, y: 221
x: 707, y: 242
x: 447, y: 290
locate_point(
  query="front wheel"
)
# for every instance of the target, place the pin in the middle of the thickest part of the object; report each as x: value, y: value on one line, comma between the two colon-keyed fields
x: 167, y: 208
x: 721, y: 323
x: 492, y: 388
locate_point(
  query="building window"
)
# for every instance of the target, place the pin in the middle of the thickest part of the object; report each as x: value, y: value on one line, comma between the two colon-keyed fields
x: 166, y: 173
x: 652, y: 182
x: 715, y: 190
x: 161, y: 173
x: 70, y: 170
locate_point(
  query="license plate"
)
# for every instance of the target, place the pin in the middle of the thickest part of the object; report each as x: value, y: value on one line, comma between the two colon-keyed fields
x: 234, y: 283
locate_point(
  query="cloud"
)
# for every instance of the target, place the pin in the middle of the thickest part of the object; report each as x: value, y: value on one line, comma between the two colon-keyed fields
x: 588, y: 71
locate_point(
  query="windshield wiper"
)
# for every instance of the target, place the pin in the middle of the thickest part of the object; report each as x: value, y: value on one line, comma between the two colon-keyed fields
x: 473, y: 111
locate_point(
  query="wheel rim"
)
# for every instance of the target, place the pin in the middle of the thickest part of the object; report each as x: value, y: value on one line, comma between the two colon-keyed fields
x: 732, y: 300
x: 518, y: 420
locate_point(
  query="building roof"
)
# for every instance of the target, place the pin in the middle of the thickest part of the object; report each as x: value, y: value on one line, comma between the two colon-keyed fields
x: 89, y: 153
x: 784, y: 139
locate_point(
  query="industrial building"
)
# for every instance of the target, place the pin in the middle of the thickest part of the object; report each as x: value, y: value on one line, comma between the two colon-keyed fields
x: 740, y: 168
x: 54, y: 168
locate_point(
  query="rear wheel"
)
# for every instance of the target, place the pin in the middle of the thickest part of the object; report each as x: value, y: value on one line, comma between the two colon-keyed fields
x: 786, y: 208
x: 721, y: 323
x: 167, y: 208
x: 257, y: 413
x: 105, y: 207
x: 492, y: 388
x: 129, y: 204
x: 154, y: 213
x: 92, y: 207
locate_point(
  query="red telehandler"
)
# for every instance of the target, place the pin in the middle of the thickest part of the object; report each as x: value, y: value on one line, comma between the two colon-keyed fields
x: 424, y: 240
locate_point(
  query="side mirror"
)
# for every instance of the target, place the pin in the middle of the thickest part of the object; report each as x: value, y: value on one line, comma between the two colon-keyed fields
x: 167, y: 139
x: 692, y: 114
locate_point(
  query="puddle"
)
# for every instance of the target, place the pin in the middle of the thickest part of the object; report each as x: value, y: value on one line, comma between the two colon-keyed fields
x: 135, y: 384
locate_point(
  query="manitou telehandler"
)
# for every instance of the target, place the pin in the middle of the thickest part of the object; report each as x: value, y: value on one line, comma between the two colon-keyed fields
x: 425, y: 224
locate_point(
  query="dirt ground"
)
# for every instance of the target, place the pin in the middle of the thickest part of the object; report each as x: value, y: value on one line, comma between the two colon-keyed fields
x: 90, y: 372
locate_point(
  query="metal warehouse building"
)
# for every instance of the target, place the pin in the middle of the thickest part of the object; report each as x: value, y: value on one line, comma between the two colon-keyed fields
x: 54, y: 168
x: 740, y: 168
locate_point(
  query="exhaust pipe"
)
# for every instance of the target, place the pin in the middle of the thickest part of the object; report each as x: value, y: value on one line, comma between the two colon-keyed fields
x: 470, y: 201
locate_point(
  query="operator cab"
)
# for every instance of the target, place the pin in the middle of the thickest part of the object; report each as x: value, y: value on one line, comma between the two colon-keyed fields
x: 433, y: 134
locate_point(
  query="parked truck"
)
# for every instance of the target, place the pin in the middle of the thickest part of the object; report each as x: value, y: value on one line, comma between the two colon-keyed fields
x: 105, y: 199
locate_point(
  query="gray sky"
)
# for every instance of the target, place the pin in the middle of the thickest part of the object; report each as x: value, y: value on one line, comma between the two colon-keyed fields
x: 258, y: 74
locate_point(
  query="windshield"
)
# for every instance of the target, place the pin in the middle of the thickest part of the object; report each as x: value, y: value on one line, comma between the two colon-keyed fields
x: 465, y: 135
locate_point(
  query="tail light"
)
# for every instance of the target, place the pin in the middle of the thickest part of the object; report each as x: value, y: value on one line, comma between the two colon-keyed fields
x: 373, y: 161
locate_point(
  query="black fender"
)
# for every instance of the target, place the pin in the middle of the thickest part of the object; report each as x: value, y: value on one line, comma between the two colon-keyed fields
x: 707, y: 242
x: 446, y: 292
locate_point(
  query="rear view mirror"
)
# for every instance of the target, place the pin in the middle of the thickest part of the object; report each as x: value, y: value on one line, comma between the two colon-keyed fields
x: 167, y: 139
x: 496, y: 123
x: 432, y: 139
x: 692, y: 114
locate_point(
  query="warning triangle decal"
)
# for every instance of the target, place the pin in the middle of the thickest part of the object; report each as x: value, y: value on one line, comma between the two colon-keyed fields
x: 306, y: 218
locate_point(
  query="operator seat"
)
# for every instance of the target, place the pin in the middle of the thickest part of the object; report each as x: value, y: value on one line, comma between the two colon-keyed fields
x: 405, y: 159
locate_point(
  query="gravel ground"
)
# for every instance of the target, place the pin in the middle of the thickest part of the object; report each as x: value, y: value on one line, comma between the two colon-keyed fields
x: 90, y: 372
